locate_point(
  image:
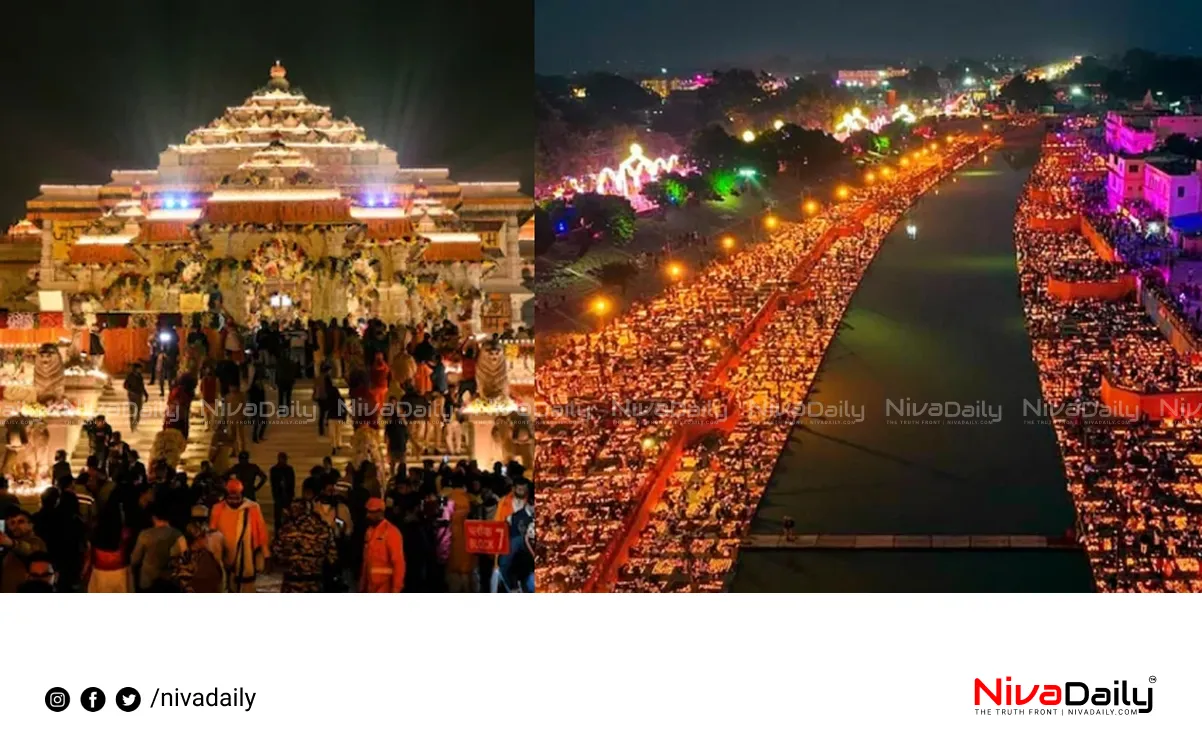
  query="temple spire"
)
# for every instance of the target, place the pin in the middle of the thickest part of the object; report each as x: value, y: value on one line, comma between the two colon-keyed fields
x: 278, y: 79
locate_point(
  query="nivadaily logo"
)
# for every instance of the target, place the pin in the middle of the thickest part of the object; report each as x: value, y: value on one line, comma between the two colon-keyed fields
x: 1068, y: 698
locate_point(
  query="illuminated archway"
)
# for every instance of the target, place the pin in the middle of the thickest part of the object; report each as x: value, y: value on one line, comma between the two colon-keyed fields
x: 852, y: 122
x: 633, y: 173
x: 904, y: 114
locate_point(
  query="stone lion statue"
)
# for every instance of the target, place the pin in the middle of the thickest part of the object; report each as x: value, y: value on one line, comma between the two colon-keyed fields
x: 492, y: 372
x: 49, y: 376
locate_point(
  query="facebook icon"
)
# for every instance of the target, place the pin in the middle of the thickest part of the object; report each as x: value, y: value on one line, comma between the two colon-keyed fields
x: 92, y: 699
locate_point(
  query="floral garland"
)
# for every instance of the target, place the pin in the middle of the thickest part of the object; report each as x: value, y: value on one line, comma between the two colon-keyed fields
x: 127, y: 281
x: 191, y: 273
x: 12, y: 367
x: 274, y: 259
x: 63, y: 408
x: 269, y: 227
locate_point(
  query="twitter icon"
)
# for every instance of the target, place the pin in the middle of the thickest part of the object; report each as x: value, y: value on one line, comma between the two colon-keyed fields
x: 128, y: 699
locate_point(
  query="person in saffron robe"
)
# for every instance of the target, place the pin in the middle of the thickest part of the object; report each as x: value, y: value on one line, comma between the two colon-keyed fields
x: 364, y: 412
x: 179, y: 404
x: 244, y: 534
x: 381, y: 377
x: 423, y: 356
x: 383, y: 553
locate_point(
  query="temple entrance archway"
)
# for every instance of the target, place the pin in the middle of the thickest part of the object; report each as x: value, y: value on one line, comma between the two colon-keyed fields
x: 280, y: 283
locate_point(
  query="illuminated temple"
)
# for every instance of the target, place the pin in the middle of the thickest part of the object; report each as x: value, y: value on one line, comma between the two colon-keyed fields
x: 277, y: 210
x: 285, y: 211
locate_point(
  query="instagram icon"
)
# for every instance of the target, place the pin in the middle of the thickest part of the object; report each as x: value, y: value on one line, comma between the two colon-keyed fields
x: 57, y: 699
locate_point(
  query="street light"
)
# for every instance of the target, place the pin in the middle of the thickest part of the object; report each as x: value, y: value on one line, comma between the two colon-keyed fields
x: 771, y: 222
x: 728, y: 242
x: 778, y: 125
x: 887, y: 171
x: 748, y: 136
x: 870, y: 177
x: 842, y: 192
x: 675, y: 271
x: 905, y: 162
x: 600, y: 306
x: 810, y: 207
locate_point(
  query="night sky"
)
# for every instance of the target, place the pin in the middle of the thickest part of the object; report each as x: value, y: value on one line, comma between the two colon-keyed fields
x: 91, y: 87
x: 625, y: 35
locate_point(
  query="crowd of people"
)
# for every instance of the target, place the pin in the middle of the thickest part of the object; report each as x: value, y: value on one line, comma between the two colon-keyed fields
x: 122, y: 528
x: 693, y: 534
x: 599, y: 447
x: 1134, y: 480
x: 608, y: 393
x: 137, y: 521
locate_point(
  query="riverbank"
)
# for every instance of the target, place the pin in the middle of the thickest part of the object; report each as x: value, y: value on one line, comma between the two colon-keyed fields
x: 936, y: 318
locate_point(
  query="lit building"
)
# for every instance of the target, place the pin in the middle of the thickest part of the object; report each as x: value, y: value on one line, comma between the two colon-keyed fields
x: 663, y: 86
x: 868, y: 78
x: 286, y: 212
x: 657, y: 86
x: 1172, y: 186
x: 1125, y: 178
x: 1143, y: 131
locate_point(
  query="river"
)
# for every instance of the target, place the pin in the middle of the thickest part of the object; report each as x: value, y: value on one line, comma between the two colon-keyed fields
x: 937, y: 318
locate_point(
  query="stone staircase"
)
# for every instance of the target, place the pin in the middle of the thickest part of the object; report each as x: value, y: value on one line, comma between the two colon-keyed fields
x: 295, y: 435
